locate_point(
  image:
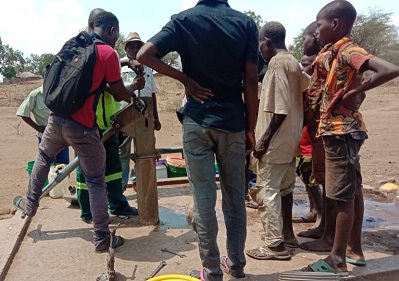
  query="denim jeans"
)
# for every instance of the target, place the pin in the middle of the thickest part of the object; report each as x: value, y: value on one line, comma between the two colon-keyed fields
x: 201, y: 145
x: 62, y: 132
x: 62, y: 157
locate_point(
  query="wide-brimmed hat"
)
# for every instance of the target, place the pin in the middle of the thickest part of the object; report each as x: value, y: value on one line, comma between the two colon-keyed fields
x: 132, y: 37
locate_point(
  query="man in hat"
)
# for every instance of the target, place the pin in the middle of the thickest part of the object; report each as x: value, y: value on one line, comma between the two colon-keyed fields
x: 130, y: 69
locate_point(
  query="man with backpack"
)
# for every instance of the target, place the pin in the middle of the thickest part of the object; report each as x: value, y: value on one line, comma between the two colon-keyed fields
x: 80, y: 131
x: 117, y: 202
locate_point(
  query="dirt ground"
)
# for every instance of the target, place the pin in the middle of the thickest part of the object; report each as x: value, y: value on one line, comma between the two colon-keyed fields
x: 379, y: 159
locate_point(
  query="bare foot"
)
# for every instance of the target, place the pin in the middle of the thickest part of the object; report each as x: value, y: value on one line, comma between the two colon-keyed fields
x: 355, y: 255
x: 291, y: 243
x: 319, y: 245
x: 315, y: 233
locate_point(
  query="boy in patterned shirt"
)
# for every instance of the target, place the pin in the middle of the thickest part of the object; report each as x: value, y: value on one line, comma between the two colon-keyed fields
x: 338, y: 84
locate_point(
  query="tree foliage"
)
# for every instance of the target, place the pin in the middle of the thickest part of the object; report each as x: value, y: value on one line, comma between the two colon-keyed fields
x: 296, y: 48
x: 10, y: 58
x: 118, y: 46
x: 376, y: 33
x: 9, y: 72
x: 36, y: 63
x: 257, y: 18
x: 172, y: 59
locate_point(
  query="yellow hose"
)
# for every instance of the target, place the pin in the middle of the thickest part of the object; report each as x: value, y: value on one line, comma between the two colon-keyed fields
x: 173, y: 277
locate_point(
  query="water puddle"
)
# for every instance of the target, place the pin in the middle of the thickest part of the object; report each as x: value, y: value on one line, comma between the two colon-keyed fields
x: 377, y: 214
x: 174, y: 218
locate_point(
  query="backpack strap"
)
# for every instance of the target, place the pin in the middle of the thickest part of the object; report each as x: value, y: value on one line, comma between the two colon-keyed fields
x: 86, y: 36
x: 96, y: 38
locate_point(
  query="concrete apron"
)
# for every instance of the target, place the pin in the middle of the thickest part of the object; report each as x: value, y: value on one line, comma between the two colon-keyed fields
x: 56, y: 245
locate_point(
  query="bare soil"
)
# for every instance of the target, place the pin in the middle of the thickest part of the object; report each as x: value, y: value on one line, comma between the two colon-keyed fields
x: 379, y: 159
x: 380, y: 153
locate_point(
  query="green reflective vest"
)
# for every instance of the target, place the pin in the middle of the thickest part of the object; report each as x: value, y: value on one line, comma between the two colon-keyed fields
x: 106, y: 107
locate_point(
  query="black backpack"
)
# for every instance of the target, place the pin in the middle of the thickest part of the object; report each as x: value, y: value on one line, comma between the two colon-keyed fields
x: 68, y: 79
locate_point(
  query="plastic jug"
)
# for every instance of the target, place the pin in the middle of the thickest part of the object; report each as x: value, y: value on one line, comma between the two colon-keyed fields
x: 59, y: 190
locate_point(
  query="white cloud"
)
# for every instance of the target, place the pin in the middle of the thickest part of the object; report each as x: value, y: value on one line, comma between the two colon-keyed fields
x: 40, y: 26
x: 395, y: 19
x: 187, y: 4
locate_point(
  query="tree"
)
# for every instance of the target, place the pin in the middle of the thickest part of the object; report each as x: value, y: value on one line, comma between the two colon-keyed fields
x: 36, y: 64
x: 9, y: 72
x: 376, y: 33
x: 257, y: 18
x: 172, y: 59
x: 118, y: 46
x: 297, y: 47
x: 10, y: 58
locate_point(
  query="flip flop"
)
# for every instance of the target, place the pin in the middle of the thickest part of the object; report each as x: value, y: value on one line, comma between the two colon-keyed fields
x: 224, y: 265
x: 302, y: 219
x: 16, y: 202
x: 251, y: 204
x: 265, y: 253
x: 199, y: 274
x: 302, y: 275
x: 119, y: 241
x: 322, y: 266
x: 355, y: 262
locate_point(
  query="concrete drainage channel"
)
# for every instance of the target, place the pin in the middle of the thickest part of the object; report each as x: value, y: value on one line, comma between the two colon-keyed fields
x: 12, y: 232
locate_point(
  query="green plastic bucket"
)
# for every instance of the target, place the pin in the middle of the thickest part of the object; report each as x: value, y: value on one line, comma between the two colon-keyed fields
x: 176, y: 167
x: 29, y: 168
x: 174, y: 172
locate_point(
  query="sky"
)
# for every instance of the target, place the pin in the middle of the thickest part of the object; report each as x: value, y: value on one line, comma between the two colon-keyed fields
x: 42, y: 26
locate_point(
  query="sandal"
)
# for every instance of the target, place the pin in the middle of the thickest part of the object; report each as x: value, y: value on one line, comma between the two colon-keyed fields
x: 224, y: 265
x: 20, y: 204
x: 199, y: 274
x: 251, y: 204
x: 265, y: 253
x: 323, y: 266
x: 119, y: 241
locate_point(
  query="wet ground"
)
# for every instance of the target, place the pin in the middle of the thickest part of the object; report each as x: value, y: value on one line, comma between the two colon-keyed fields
x: 57, y: 245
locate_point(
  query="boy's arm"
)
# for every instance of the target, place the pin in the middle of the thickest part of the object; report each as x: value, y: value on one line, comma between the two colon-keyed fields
x: 251, y: 102
x: 32, y: 123
x: 384, y: 72
x: 263, y: 143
